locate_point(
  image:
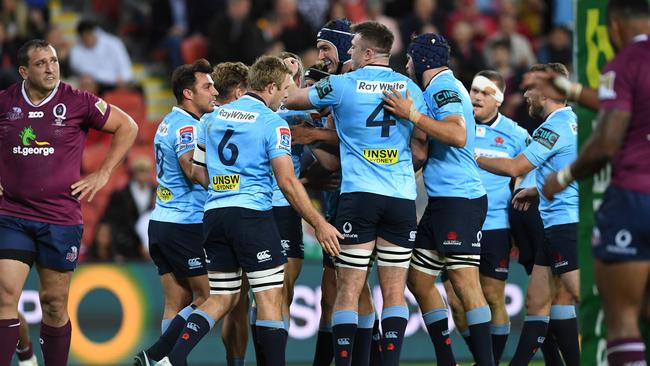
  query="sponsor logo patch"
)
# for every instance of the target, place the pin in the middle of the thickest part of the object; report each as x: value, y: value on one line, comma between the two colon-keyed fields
x: 228, y: 182
x: 101, y: 106
x: 364, y: 86
x: 164, y: 194
x: 445, y: 97
x: 381, y: 156
x: 546, y: 137
x: 234, y: 115
x: 263, y: 256
x: 283, y: 135
x: 323, y: 87
x: 185, y: 135
x: 194, y: 263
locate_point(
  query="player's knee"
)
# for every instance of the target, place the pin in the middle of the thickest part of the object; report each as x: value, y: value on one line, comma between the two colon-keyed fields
x: 54, y: 307
x: 538, y: 303
x: 494, y: 294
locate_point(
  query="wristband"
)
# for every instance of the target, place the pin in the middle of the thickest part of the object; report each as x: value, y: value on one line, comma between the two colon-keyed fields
x: 571, y: 89
x: 564, y: 176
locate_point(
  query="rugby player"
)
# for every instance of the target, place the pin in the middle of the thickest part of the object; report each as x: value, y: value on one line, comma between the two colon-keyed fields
x: 176, y: 224
x: 621, y: 254
x: 44, y: 123
x: 496, y: 136
x: 239, y: 230
x: 449, y: 233
x: 376, y: 209
x: 554, y: 144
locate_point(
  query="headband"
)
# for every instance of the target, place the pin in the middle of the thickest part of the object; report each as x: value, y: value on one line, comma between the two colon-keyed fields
x: 488, y: 86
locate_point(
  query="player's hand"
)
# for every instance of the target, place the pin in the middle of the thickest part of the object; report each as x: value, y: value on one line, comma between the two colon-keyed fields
x: 396, y: 104
x: 302, y: 134
x: 90, y: 185
x: 551, y: 186
x: 292, y: 64
x: 328, y: 237
x: 523, y: 199
x: 543, y: 80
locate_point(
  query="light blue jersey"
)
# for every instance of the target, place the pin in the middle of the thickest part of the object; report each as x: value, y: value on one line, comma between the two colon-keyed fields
x: 555, y: 146
x: 375, y: 145
x: 451, y: 171
x: 178, y: 199
x: 530, y: 180
x: 503, y: 139
x: 241, y: 140
x: 293, y: 118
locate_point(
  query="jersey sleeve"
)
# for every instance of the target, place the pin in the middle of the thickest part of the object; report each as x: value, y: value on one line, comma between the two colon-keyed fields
x: 327, y: 92
x: 615, y: 88
x: 98, y: 111
x: 523, y: 139
x: 545, y: 143
x: 277, y: 137
x: 444, y: 102
x: 185, y: 138
x: 418, y: 99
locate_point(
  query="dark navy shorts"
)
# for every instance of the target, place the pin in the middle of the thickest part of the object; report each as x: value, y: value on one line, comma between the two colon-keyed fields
x: 559, y: 249
x: 50, y: 245
x: 177, y: 248
x: 363, y: 217
x: 290, y: 227
x: 622, y: 228
x: 527, y: 231
x: 237, y: 237
x: 452, y: 225
x: 495, y: 254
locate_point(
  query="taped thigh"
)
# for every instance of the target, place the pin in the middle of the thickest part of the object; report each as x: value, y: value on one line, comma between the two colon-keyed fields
x: 458, y: 261
x: 266, y: 279
x: 225, y: 283
x: 427, y: 261
x: 393, y: 256
x: 354, y: 258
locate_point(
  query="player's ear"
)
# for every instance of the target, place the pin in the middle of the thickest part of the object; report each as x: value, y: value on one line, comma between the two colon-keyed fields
x: 188, y: 94
x: 22, y: 70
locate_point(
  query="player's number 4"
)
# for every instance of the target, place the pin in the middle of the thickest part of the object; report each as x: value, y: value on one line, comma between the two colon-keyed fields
x: 384, y: 123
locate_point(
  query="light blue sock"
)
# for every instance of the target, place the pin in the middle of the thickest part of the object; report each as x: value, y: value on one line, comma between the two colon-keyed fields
x: 286, y: 321
x: 563, y: 312
x: 278, y: 324
x: 367, y: 321
x: 435, y: 315
x: 164, y: 324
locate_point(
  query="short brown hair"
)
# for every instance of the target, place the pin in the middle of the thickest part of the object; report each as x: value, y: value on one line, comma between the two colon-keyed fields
x: 229, y: 75
x: 494, y: 76
x: 183, y: 77
x: 23, y: 52
x: 267, y: 70
x: 376, y: 34
x: 551, y: 66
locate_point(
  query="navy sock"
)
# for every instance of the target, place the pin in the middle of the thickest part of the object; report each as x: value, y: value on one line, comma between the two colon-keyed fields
x: 259, y: 357
x: 272, y: 338
x: 169, y: 336
x: 375, y: 348
x: 499, y: 338
x: 564, y: 326
x: 164, y: 324
x: 344, y: 327
x: 468, y: 341
x: 324, y: 347
x: 393, y: 324
x: 479, y: 329
x: 551, y: 352
x: 436, y: 321
x: 197, y: 326
x: 363, y: 340
x: 531, y: 338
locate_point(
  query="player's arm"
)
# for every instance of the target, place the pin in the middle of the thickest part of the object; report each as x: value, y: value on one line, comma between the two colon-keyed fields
x: 198, y: 169
x: 450, y: 130
x: 419, y: 148
x: 124, y: 131
x: 509, y: 167
x: 303, y: 134
x: 597, y: 151
x: 554, y: 85
x: 295, y: 193
x: 298, y: 99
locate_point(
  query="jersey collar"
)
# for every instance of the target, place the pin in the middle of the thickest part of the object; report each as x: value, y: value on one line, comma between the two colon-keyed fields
x: 445, y: 71
x: 188, y: 113
x: 557, y: 111
x: 379, y: 67
x: 49, y: 97
x: 255, y: 97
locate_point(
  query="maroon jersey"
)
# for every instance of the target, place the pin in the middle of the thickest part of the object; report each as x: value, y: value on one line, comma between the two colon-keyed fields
x: 40, y: 151
x: 625, y: 85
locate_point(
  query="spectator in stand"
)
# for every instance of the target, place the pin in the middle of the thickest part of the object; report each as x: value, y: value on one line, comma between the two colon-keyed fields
x: 127, y: 205
x: 169, y: 19
x: 296, y: 34
x: 522, y: 53
x: 424, y: 12
x: 314, y: 12
x: 8, y: 51
x: 102, y: 56
x: 466, y: 58
x: 557, y: 47
x: 57, y: 39
x: 375, y: 11
x: 484, y: 25
x: 102, y: 248
x: 234, y: 36
x: 512, y: 74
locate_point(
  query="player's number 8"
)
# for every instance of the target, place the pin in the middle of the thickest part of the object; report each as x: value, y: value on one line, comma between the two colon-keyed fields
x: 234, y: 150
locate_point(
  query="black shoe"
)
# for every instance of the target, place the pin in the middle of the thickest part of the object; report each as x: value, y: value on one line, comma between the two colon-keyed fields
x: 141, y: 359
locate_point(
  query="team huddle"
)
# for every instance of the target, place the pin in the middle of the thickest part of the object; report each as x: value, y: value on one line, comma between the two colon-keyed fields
x: 229, y: 203
x: 235, y: 154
